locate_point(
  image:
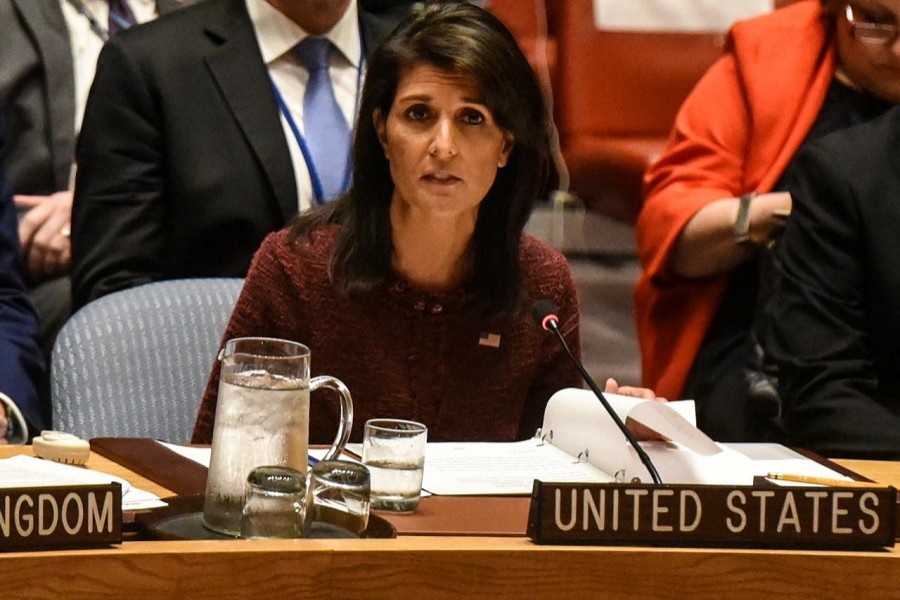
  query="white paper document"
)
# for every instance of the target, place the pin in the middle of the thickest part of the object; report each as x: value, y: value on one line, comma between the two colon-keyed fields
x: 576, y: 422
x: 775, y: 458
x: 581, y: 443
x: 500, y: 468
x: 29, y: 471
x: 202, y: 455
x: 198, y: 455
x: 473, y: 468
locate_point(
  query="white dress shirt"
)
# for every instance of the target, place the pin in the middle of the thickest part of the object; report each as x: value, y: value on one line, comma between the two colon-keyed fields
x: 277, y: 35
x: 86, y: 44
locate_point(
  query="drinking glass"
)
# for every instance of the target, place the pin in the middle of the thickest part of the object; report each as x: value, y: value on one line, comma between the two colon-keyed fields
x: 339, y: 495
x: 394, y: 452
x: 275, y: 503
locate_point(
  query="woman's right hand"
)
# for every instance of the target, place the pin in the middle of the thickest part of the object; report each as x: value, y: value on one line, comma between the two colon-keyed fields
x: 641, y: 432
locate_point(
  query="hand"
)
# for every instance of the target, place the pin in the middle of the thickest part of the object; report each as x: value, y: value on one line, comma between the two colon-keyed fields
x: 4, y: 424
x: 44, y: 234
x: 612, y: 387
x: 641, y: 432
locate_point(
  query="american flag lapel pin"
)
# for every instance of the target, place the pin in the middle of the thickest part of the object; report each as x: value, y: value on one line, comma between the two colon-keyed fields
x: 492, y: 340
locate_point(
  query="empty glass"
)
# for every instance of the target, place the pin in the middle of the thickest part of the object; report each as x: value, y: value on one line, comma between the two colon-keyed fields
x: 339, y: 496
x: 275, y: 503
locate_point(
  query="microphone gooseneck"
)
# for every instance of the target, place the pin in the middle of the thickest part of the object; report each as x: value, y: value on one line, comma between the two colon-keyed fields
x: 543, y: 312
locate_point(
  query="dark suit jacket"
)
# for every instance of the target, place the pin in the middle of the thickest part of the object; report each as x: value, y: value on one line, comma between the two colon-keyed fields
x: 834, y: 328
x: 37, y: 93
x: 21, y: 365
x: 184, y: 167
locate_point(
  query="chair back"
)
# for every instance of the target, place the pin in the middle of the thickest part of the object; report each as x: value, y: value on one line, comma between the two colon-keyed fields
x: 135, y: 363
x: 617, y: 93
x: 528, y: 21
x: 625, y: 82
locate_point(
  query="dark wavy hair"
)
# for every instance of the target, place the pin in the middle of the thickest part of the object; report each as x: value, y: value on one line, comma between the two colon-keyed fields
x: 462, y: 39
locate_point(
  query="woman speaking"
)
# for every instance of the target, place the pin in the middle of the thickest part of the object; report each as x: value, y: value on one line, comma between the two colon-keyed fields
x: 414, y: 288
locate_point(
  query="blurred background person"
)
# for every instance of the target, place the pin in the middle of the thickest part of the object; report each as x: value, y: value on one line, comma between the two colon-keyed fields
x: 21, y: 365
x: 834, y: 328
x: 209, y: 129
x: 718, y: 196
x: 48, y: 53
x: 414, y: 288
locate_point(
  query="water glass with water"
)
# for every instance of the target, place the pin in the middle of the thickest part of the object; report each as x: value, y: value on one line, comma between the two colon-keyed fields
x: 394, y: 452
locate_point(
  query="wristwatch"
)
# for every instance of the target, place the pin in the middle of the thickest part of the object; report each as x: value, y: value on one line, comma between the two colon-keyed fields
x: 742, y: 221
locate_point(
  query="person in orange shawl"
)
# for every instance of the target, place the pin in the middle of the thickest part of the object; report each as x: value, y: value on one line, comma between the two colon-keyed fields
x: 718, y: 196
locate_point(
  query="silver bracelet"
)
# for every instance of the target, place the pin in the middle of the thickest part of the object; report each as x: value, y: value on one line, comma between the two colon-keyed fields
x: 742, y: 221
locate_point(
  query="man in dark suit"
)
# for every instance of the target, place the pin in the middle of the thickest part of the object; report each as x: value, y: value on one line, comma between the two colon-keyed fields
x: 47, y: 57
x: 21, y: 366
x: 834, y: 325
x: 187, y: 158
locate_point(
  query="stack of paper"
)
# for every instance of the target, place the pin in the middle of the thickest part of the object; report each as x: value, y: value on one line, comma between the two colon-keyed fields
x: 23, y: 471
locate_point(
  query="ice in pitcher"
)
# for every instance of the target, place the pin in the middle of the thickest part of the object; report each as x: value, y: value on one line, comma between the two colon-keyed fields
x: 266, y: 416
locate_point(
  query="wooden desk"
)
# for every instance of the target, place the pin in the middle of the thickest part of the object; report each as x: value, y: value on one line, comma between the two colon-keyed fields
x: 425, y: 567
x: 880, y: 471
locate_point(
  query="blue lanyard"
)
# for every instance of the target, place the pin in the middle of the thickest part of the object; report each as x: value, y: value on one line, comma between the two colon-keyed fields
x: 304, y: 149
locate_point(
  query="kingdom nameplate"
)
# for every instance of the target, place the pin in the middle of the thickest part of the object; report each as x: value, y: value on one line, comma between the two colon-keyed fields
x: 41, y: 518
x: 712, y: 515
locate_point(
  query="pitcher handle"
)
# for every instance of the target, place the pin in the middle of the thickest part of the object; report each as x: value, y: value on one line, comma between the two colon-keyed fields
x: 346, y: 424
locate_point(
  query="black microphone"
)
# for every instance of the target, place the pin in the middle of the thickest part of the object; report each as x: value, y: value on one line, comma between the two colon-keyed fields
x: 543, y: 312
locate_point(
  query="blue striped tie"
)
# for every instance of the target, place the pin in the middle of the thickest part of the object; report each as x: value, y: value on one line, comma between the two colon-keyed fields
x: 120, y: 16
x: 325, y: 128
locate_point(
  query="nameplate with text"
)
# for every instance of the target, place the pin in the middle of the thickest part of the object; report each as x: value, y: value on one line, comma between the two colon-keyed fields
x: 42, y: 518
x: 712, y: 515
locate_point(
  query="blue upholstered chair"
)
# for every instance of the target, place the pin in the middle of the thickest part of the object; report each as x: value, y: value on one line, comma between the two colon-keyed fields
x: 135, y: 363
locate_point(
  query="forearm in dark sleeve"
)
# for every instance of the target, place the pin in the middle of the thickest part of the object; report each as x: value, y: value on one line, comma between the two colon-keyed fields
x: 118, y: 213
x: 21, y: 363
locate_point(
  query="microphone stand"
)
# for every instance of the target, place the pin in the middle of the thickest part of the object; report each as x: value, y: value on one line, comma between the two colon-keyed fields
x: 554, y: 327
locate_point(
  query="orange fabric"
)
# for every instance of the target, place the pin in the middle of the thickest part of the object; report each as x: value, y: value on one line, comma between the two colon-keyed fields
x: 735, y: 133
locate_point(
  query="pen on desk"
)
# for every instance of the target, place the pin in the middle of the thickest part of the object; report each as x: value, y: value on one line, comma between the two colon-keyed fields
x: 821, y: 480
